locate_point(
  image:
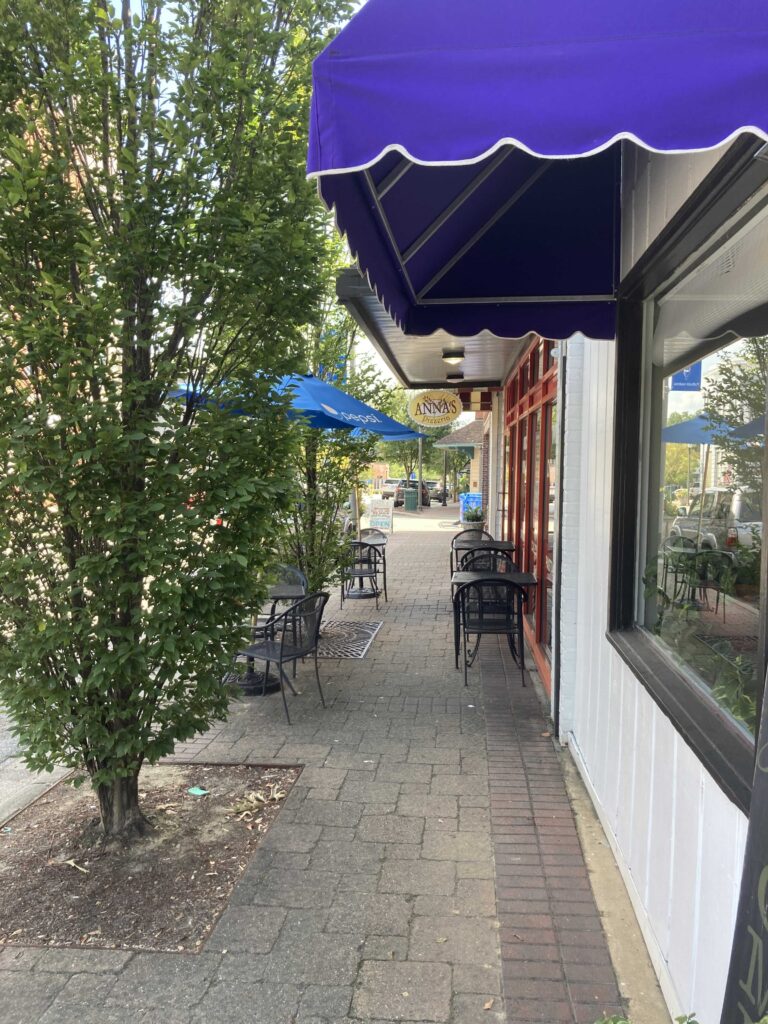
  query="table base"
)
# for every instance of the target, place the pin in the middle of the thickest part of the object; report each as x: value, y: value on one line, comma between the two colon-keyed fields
x: 251, y: 684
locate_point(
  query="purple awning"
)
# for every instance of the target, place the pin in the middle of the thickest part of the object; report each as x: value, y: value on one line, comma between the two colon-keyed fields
x: 443, y: 136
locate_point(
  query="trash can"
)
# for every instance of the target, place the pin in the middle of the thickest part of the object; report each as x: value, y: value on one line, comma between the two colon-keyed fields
x: 410, y: 497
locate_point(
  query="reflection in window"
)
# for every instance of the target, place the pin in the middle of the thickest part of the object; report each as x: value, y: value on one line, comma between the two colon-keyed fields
x: 703, y: 584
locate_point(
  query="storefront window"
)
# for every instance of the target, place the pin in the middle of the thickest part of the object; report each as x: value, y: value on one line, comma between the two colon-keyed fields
x: 504, y: 495
x: 530, y: 407
x: 702, y: 579
x: 533, y: 563
x: 551, y: 492
x: 522, y: 519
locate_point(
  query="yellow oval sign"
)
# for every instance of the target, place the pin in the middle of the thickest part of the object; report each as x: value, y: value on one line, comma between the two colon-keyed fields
x: 435, y: 408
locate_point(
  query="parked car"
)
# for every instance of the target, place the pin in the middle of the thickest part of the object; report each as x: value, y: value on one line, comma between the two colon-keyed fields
x: 435, y: 489
x: 729, y: 519
x: 433, y: 486
x: 404, y: 485
x: 389, y: 487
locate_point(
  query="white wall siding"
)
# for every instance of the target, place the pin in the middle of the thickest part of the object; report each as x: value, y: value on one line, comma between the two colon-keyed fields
x: 678, y: 839
x: 569, y: 526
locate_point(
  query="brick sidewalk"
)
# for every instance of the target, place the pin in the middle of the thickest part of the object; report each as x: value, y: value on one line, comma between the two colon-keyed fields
x: 425, y: 868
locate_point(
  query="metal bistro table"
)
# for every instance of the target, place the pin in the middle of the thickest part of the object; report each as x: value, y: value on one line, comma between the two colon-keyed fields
x: 252, y: 682
x: 523, y: 579
x: 463, y: 544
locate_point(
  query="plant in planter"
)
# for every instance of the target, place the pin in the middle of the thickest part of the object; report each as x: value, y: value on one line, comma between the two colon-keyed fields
x: 747, y: 580
x: 474, y: 516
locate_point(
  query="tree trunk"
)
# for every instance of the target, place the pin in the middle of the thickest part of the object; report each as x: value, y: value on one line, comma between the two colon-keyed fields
x: 119, y: 808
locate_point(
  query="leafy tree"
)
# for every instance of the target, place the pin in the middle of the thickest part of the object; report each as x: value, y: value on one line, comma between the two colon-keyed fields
x: 735, y: 396
x: 403, y: 453
x: 155, y: 227
x: 327, y: 464
x: 681, y: 461
x: 406, y: 453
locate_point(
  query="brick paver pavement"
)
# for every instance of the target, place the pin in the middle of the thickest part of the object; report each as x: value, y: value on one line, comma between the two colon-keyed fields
x: 425, y: 867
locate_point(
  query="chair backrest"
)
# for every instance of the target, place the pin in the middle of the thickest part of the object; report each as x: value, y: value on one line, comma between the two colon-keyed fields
x: 486, y: 560
x: 494, y: 606
x: 292, y: 576
x: 371, y: 533
x: 301, y: 623
x: 678, y: 544
x: 717, y: 567
x: 368, y: 556
x: 473, y: 533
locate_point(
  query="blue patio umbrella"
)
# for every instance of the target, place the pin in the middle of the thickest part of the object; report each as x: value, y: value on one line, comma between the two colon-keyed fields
x: 755, y: 428
x: 322, y: 405
x: 326, y: 407
x: 698, y: 430
x: 407, y: 435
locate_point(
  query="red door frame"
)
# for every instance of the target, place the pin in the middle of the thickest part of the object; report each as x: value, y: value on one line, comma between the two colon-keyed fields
x: 526, y: 392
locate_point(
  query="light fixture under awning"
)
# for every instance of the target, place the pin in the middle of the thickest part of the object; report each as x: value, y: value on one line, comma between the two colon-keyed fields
x: 446, y: 139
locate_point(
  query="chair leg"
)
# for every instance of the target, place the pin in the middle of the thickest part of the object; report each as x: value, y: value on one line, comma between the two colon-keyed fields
x: 456, y: 631
x: 466, y: 660
x: 317, y: 676
x: 522, y: 649
x: 280, y: 674
x: 290, y: 684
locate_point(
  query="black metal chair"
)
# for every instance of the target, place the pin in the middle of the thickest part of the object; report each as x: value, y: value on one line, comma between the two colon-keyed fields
x: 286, y: 637
x: 678, y: 564
x: 474, y: 533
x: 286, y: 575
x: 490, y: 607
x: 486, y: 560
x: 715, y: 571
x: 370, y: 533
x: 365, y: 564
x: 291, y: 575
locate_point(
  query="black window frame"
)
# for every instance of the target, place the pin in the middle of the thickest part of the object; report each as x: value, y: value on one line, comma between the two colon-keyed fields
x: 719, y: 743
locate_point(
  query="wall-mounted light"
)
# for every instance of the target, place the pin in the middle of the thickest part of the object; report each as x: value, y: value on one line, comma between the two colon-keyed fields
x: 454, y: 377
x: 453, y: 356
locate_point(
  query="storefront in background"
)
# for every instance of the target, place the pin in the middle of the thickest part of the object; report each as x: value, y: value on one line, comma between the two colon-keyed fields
x: 530, y: 442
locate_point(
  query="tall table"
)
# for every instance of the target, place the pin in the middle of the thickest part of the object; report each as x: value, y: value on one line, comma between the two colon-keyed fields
x: 522, y: 579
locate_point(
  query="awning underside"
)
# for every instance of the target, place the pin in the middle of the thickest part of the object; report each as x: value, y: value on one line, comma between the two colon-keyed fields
x: 486, y: 246
x: 509, y: 245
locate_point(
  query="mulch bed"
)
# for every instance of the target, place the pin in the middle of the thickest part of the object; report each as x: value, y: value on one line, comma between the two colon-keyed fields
x: 61, y: 886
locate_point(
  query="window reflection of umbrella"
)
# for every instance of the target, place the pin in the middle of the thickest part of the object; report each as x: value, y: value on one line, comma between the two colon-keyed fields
x: 699, y: 430
x: 755, y: 428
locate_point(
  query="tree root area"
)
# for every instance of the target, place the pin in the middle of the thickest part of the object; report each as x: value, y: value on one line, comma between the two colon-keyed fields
x: 61, y: 885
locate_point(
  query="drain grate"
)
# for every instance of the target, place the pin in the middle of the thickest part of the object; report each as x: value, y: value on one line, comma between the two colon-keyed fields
x: 346, y: 639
